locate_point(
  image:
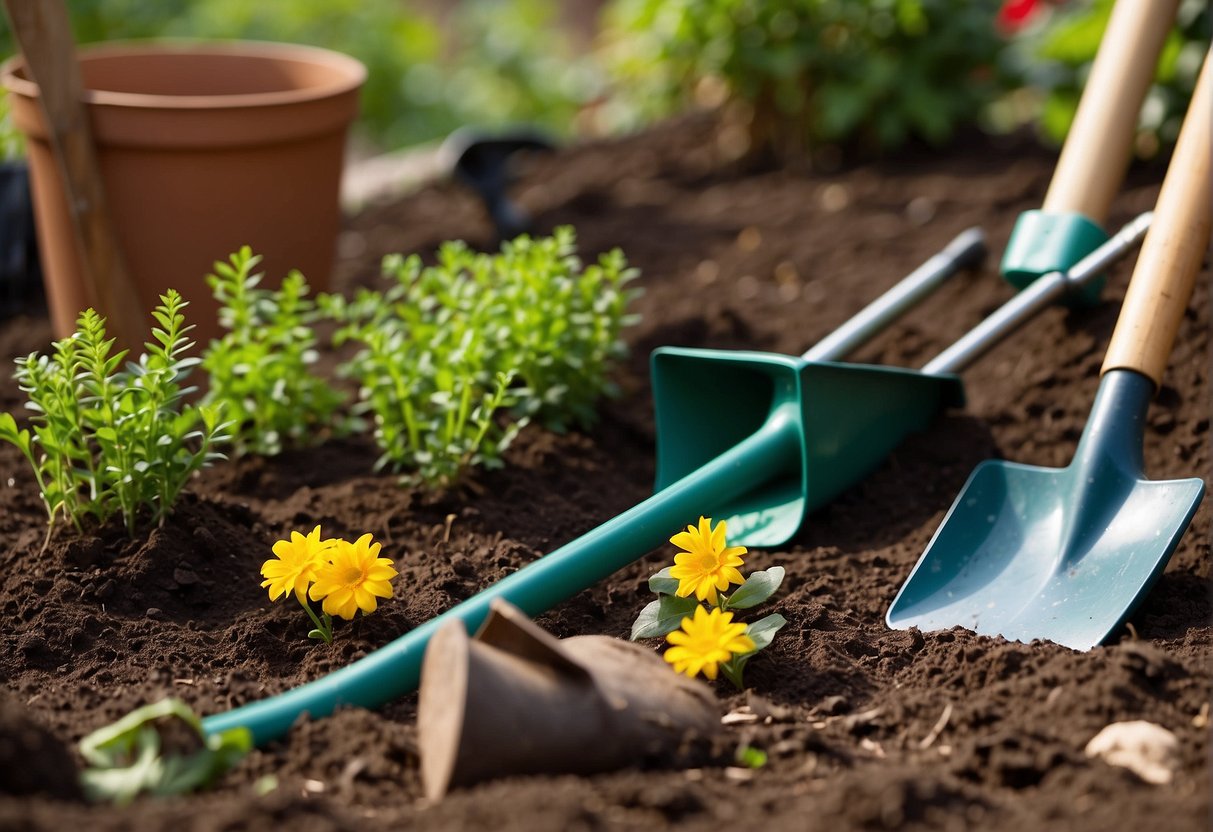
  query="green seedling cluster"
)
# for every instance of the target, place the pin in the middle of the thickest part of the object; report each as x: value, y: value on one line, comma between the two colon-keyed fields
x: 454, y: 360
x: 448, y: 349
x: 259, y: 370
x: 111, y: 442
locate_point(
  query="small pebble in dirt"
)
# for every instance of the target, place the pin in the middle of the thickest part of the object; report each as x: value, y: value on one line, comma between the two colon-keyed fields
x: 154, y: 612
x: 921, y: 210
x: 1148, y: 750
x: 749, y: 239
x: 835, y: 197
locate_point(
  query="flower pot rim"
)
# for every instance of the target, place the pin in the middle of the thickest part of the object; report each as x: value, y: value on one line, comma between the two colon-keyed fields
x: 348, y: 73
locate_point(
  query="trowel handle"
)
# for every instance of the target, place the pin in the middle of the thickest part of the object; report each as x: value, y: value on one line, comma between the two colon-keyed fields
x: 1174, y: 247
x: 1098, y: 147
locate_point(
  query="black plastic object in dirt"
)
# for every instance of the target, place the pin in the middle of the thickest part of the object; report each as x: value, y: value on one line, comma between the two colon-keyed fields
x: 20, y: 270
x: 486, y: 163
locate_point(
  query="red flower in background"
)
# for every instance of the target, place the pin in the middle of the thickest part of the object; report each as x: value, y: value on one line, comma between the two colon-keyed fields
x: 1015, y: 14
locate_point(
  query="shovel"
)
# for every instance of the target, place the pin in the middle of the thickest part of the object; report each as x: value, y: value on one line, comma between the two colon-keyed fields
x: 1066, y: 554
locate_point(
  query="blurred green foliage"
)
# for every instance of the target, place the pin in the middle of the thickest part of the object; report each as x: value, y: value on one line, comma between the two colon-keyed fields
x: 1056, y: 56
x: 488, y: 63
x: 812, y: 71
x: 797, y: 74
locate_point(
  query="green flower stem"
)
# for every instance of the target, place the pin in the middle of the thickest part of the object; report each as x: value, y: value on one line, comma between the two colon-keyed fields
x: 324, y: 628
x: 732, y: 670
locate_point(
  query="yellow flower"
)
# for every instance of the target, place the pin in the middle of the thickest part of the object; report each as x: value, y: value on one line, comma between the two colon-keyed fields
x: 353, y: 578
x: 706, y: 565
x: 706, y: 640
x: 296, y: 564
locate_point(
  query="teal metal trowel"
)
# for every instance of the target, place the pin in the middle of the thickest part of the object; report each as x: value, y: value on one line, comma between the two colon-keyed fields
x: 1065, y: 554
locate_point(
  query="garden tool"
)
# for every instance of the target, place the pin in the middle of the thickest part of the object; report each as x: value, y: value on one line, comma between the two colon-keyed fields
x: 484, y: 163
x: 517, y: 700
x: 44, y: 34
x: 1066, y: 554
x: 1096, y: 152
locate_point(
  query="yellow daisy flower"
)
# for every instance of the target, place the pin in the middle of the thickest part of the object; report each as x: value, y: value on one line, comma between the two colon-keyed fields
x: 353, y: 578
x: 296, y: 564
x: 707, y: 565
x: 705, y: 641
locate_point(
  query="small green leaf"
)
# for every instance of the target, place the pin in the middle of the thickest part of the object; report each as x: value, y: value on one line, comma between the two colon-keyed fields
x: 662, y: 616
x: 127, y: 758
x: 763, y: 631
x: 662, y: 583
x: 758, y: 587
x: 750, y: 757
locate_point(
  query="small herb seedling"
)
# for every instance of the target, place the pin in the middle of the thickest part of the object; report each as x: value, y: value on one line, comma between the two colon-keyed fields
x: 448, y: 349
x: 111, y: 442
x: 260, y: 369
x: 703, y: 636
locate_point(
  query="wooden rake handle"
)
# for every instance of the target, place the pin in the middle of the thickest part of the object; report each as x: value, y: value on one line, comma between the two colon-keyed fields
x: 1098, y: 147
x: 1173, y: 249
x: 43, y: 31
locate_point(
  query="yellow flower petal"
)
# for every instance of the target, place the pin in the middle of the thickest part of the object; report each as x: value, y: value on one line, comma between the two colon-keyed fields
x: 706, y: 565
x: 704, y: 641
x: 353, y: 578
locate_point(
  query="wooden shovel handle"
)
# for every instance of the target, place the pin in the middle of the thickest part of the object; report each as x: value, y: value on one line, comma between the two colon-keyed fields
x: 1173, y: 249
x: 1098, y: 147
x: 44, y: 34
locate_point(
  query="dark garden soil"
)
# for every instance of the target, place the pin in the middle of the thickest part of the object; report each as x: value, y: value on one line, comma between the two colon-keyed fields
x: 848, y: 711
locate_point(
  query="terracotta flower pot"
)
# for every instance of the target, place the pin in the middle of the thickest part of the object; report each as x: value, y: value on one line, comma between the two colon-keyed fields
x: 203, y: 147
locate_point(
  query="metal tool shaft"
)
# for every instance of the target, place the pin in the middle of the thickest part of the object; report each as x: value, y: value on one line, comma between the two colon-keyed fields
x: 1042, y: 293
x: 966, y: 250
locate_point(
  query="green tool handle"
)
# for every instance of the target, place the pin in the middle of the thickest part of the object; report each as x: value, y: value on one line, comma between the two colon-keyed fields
x: 395, y: 669
x: 1165, y: 273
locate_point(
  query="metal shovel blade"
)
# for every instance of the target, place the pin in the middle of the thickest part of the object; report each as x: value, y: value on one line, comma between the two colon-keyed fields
x: 1058, y: 554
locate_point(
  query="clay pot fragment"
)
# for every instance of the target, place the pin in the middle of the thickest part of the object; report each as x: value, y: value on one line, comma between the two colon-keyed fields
x: 517, y: 700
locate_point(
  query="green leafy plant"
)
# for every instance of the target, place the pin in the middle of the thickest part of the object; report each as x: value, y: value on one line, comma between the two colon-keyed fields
x: 448, y: 348
x: 807, y: 72
x: 159, y: 749
x: 705, y: 638
x: 111, y: 442
x: 259, y: 370
x: 1057, y: 50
